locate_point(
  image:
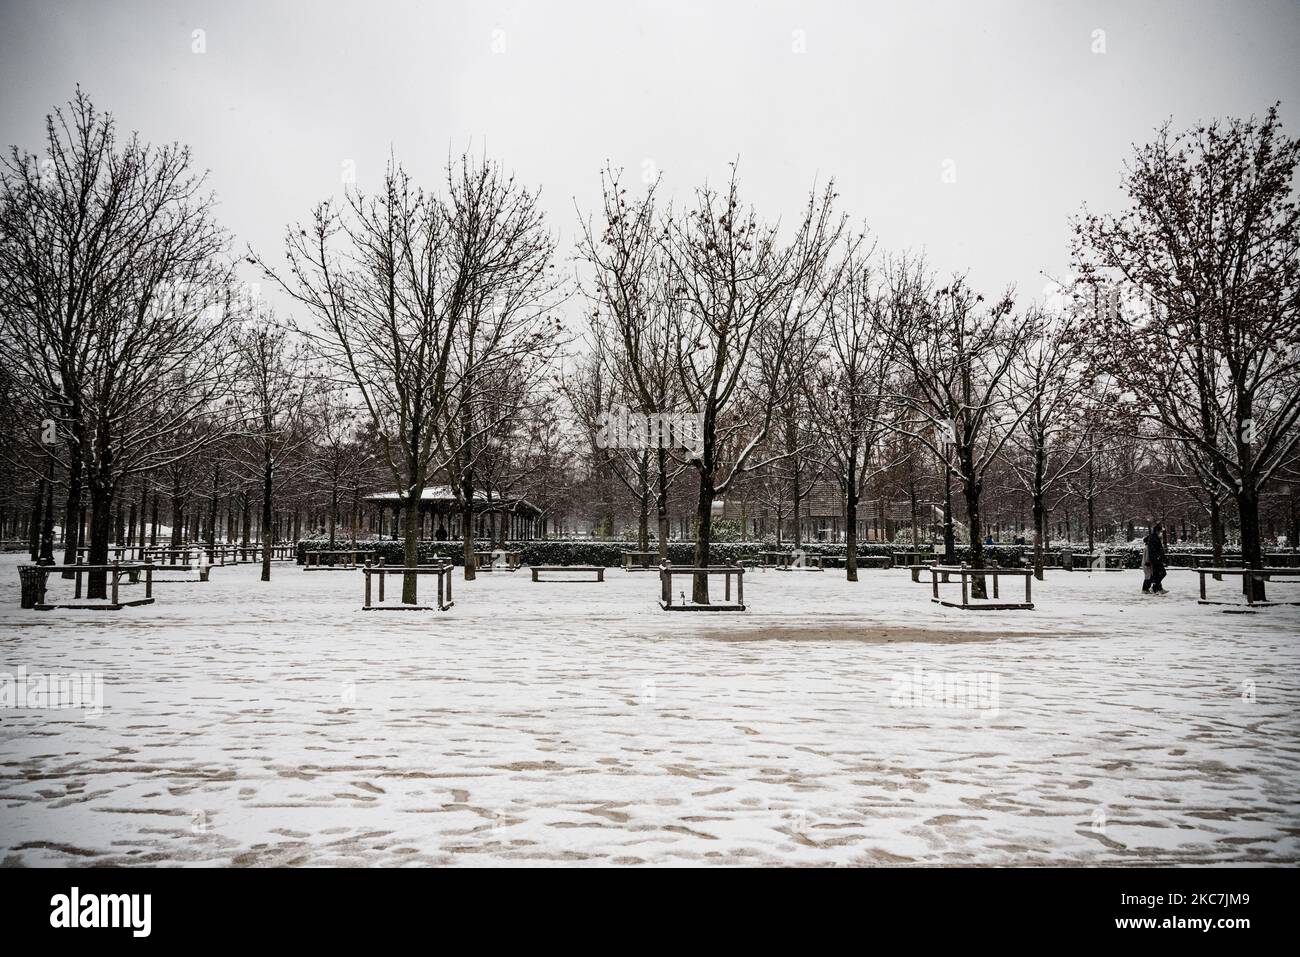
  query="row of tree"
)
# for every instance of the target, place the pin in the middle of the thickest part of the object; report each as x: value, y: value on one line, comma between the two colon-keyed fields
x: 1180, y: 330
x: 425, y: 347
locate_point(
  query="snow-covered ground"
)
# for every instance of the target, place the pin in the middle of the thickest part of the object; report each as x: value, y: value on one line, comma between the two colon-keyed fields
x: 834, y: 723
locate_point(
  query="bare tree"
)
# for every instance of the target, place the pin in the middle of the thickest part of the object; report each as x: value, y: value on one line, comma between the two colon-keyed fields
x: 956, y: 351
x: 744, y: 297
x: 272, y: 396
x: 634, y: 325
x: 1099, y: 453
x: 854, y: 377
x: 380, y: 278
x: 338, y: 456
x: 115, y: 302
x: 1043, y: 385
x: 506, y: 329
x: 1210, y: 348
x: 415, y: 296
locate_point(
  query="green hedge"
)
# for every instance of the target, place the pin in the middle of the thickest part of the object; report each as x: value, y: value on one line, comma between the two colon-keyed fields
x: 609, y: 554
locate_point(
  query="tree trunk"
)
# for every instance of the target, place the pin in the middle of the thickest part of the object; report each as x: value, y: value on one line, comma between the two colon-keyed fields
x: 972, y: 490
x: 1039, y: 520
x: 851, y: 530
x: 703, y: 530
x: 268, y: 533
x: 101, y: 530
x: 467, y: 525
x: 949, y: 535
x: 212, y: 515
x: 911, y: 501
x: 71, y: 520
x: 797, y: 494
x: 334, y: 512
x: 411, y: 536
x: 34, y: 523
x: 178, y: 514
x: 661, y: 503
x: 46, y: 556
x: 643, y: 502
x: 1251, y: 545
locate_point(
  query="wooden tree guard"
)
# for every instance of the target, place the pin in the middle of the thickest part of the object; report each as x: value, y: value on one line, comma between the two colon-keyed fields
x: 667, y: 571
x: 967, y: 573
x: 443, y: 571
x: 114, y: 573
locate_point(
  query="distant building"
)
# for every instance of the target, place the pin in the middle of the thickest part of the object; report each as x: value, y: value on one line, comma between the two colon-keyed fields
x: 441, y: 513
x: 821, y: 517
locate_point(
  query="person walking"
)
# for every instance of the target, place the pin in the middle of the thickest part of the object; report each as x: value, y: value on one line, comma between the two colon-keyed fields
x: 1146, y: 563
x: 1156, y: 557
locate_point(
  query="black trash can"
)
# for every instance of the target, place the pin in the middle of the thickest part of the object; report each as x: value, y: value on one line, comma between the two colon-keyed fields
x: 1067, y: 559
x: 32, y: 579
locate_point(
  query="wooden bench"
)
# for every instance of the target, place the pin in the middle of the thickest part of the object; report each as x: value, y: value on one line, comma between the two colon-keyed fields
x: 117, y: 553
x: 351, y: 558
x: 253, y: 553
x: 442, y: 570
x: 1261, y: 574
x: 982, y: 604
x: 1083, y: 561
x: 203, y: 573
x: 165, y: 560
x: 114, y: 575
x: 640, y: 561
x: 498, y: 560
x: 167, y: 554
x: 910, y: 558
x: 597, y: 570
x: 220, y: 553
x: 1100, y: 562
x: 1194, y: 560
x: 726, y: 572
x: 795, y: 560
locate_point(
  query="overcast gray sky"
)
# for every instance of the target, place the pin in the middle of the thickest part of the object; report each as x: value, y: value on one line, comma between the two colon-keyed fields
x: 878, y: 95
